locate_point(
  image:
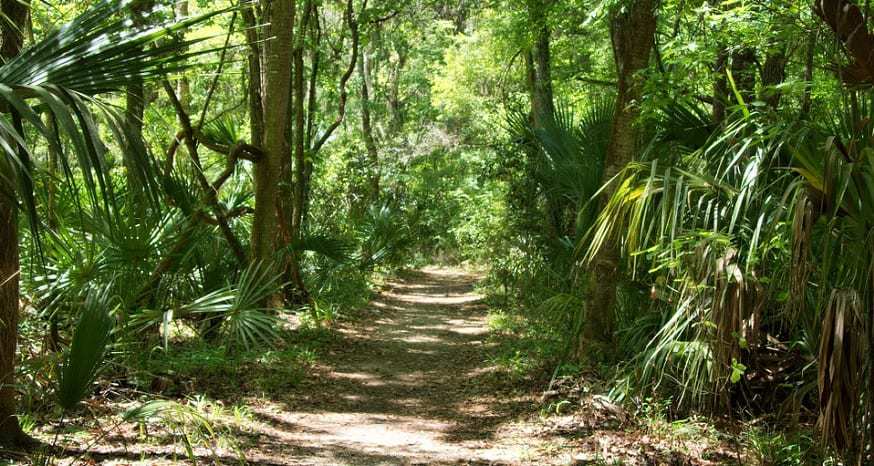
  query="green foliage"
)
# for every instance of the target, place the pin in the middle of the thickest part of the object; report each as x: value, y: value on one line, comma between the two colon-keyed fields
x: 744, y: 221
x: 90, y: 340
x: 777, y: 448
x: 188, y: 423
x: 239, y: 310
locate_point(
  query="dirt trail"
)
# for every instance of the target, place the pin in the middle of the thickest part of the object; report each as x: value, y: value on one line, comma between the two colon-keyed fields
x: 408, y: 385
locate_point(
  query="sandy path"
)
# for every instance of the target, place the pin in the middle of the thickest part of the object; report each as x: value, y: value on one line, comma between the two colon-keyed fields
x: 408, y: 385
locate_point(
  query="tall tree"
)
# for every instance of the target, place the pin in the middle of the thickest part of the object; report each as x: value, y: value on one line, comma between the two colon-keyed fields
x: 538, y: 64
x: 276, y: 100
x: 15, y: 14
x: 632, y: 29
x: 364, y: 71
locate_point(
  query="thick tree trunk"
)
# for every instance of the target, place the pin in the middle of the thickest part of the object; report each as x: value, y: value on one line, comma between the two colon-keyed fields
x: 276, y: 104
x: 15, y: 18
x: 135, y: 107
x: 773, y: 74
x: 743, y: 71
x: 632, y: 30
x: 10, y: 432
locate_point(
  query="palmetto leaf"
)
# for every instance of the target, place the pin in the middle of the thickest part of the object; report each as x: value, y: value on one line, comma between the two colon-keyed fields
x: 383, y: 235
x: 567, y: 156
x: 90, y: 338
x: 241, y: 309
x: 223, y: 130
x: 99, y: 51
x: 328, y: 246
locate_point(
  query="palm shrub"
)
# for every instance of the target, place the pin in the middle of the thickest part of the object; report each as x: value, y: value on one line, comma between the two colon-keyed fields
x: 383, y: 236
x: 565, y: 159
x: 555, y: 171
x: 237, y: 311
x: 756, y: 243
x: 697, y: 217
x: 833, y: 267
x: 60, y: 76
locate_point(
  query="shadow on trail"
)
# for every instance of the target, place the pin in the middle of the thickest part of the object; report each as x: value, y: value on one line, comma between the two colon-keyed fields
x: 411, y: 380
x: 408, y: 383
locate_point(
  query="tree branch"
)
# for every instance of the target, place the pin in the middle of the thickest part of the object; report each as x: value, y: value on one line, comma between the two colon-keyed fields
x: 210, y: 194
x: 344, y: 95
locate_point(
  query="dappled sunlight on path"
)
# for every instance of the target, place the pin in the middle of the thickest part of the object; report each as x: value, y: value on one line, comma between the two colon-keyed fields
x: 409, y: 385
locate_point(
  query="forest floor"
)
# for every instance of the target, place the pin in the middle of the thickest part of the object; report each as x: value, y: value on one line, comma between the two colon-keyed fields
x: 409, y: 381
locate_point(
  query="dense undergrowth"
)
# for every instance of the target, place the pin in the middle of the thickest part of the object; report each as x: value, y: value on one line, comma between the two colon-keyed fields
x: 670, y: 203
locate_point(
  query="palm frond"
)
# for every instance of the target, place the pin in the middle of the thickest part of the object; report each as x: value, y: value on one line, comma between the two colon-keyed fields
x: 90, y: 339
x: 99, y: 51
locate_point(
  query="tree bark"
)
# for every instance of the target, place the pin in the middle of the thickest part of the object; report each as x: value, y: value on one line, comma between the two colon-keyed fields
x: 10, y: 431
x: 631, y: 30
x: 135, y: 107
x: 367, y: 127
x: 183, y: 86
x: 395, y: 105
x: 256, y: 106
x: 539, y: 79
x: 276, y: 104
x: 773, y: 74
x: 538, y: 64
x: 12, y: 26
x: 299, y: 139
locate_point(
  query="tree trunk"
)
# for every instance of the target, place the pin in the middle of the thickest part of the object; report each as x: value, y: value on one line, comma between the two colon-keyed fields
x: 395, y: 105
x: 539, y: 80
x: 276, y: 103
x: 367, y: 128
x: 183, y: 87
x: 135, y: 107
x: 808, y: 73
x: 632, y: 30
x: 773, y: 74
x: 312, y: 107
x: 539, y: 67
x: 15, y: 18
x: 299, y: 142
x: 10, y: 432
x: 256, y: 107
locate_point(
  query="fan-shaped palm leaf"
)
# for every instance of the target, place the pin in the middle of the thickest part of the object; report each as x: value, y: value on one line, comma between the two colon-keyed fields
x: 90, y: 339
x: 100, y: 51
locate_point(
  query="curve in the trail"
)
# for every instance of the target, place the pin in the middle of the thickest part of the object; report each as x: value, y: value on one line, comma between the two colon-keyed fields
x: 408, y: 385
